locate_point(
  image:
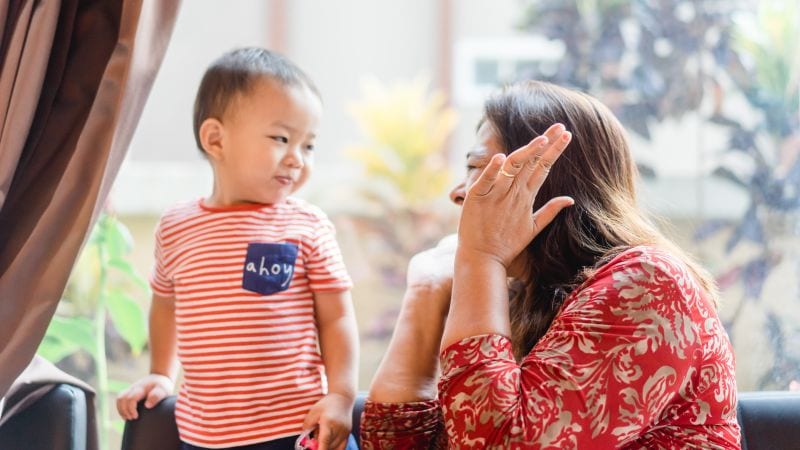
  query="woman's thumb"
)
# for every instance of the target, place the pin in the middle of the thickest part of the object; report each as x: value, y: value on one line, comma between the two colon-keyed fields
x: 548, y: 212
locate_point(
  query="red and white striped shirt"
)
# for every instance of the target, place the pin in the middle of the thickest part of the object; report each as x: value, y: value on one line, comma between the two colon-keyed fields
x: 251, y: 363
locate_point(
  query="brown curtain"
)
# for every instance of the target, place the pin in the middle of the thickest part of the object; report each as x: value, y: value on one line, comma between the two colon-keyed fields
x: 74, y: 78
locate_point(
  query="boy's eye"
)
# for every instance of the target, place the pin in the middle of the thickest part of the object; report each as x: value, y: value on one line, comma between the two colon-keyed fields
x: 310, y: 147
x: 471, y: 167
x: 281, y: 139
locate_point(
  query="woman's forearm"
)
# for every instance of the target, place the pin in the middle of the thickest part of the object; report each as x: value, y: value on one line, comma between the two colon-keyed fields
x: 409, y: 370
x: 480, y: 299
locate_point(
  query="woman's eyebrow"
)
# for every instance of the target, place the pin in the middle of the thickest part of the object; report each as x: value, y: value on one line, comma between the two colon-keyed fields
x: 478, y: 153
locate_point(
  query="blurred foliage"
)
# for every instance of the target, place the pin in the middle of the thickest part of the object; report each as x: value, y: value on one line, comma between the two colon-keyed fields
x: 768, y: 71
x: 726, y: 62
x: 396, y: 211
x: 407, y: 129
x: 763, y: 63
x: 646, y: 60
x: 96, y: 307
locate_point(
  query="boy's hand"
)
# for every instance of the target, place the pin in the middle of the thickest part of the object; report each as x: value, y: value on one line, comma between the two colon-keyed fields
x: 333, y: 414
x: 154, y: 387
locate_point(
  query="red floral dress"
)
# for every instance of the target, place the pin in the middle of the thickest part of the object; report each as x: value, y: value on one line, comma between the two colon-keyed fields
x: 635, y: 358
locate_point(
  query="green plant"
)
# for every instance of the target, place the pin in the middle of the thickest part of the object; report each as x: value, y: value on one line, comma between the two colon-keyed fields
x: 397, y: 210
x: 736, y: 66
x: 96, y: 305
x: 762, y: 157
x: 407, y: 128
x: 647, y: 61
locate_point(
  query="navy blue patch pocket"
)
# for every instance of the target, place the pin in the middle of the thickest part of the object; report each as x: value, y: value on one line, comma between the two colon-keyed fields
x: 268, y: 267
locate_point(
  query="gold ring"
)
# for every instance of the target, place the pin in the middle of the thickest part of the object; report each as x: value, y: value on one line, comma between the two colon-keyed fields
x: 503, y: 172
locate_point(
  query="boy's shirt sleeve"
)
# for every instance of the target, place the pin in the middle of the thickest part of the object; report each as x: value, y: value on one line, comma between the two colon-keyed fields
x: 324, y: 264
x: 160, y: 280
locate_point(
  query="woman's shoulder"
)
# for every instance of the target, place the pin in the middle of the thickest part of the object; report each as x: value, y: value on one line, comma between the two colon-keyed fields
x: 651, y: 259
x: 643, y: 270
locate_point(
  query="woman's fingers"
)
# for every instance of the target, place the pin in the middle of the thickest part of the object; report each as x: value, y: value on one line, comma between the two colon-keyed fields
x: 539, y: 166
x: 531, y: 164
x: 527, y: 166
x: 490, y: 177
x: 554, y: 131
x: 517, y: 160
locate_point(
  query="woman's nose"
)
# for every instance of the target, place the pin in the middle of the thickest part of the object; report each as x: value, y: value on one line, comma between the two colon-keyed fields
x: 458, y: 193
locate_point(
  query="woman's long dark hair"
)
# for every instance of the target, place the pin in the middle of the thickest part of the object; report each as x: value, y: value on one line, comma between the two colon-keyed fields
x: 596, y: 170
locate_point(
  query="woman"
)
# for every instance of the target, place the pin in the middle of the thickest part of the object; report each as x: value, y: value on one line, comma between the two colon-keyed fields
x: 607, y: 335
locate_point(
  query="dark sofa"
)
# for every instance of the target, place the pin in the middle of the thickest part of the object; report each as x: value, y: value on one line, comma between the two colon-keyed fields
x: 769, y: 420
x: 61, y: 419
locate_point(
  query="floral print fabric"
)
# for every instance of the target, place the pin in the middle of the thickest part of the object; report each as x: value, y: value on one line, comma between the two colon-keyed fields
x: 636, y: 358
x: 389, y: 426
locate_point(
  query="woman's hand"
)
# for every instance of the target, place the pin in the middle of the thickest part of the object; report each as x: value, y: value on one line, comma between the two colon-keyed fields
x: 430, y: 273
x: 497, y: 221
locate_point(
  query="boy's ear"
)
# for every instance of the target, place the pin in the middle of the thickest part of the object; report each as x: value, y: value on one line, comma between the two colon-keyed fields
x: 211, y: 133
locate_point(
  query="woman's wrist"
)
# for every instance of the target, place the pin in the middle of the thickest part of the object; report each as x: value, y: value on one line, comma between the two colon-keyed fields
x: 480, y: 298
x: 478, y: 260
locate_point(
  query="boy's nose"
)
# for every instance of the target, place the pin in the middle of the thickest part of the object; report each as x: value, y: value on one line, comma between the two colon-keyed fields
x: 294, y: 157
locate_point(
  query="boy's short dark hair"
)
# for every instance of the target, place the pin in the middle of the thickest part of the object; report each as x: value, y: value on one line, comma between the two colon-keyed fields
x: 234, y: 73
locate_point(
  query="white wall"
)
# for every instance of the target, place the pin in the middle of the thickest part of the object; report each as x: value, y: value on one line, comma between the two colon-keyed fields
x: 163, y: 165
x: 339, y: 43
x: 202, y: 33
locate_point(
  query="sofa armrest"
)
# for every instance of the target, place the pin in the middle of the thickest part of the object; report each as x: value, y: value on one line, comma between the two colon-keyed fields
x: 59, y: 420
x: 155, y: 429
x: 769, y: 420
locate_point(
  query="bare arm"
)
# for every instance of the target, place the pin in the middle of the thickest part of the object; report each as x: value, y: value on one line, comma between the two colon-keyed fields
x: 339, y: 341
x: 410, y: 367
x: 339, y: 345
x: 402, y: 411
x: 163, y: 341
x: 480, y: 299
